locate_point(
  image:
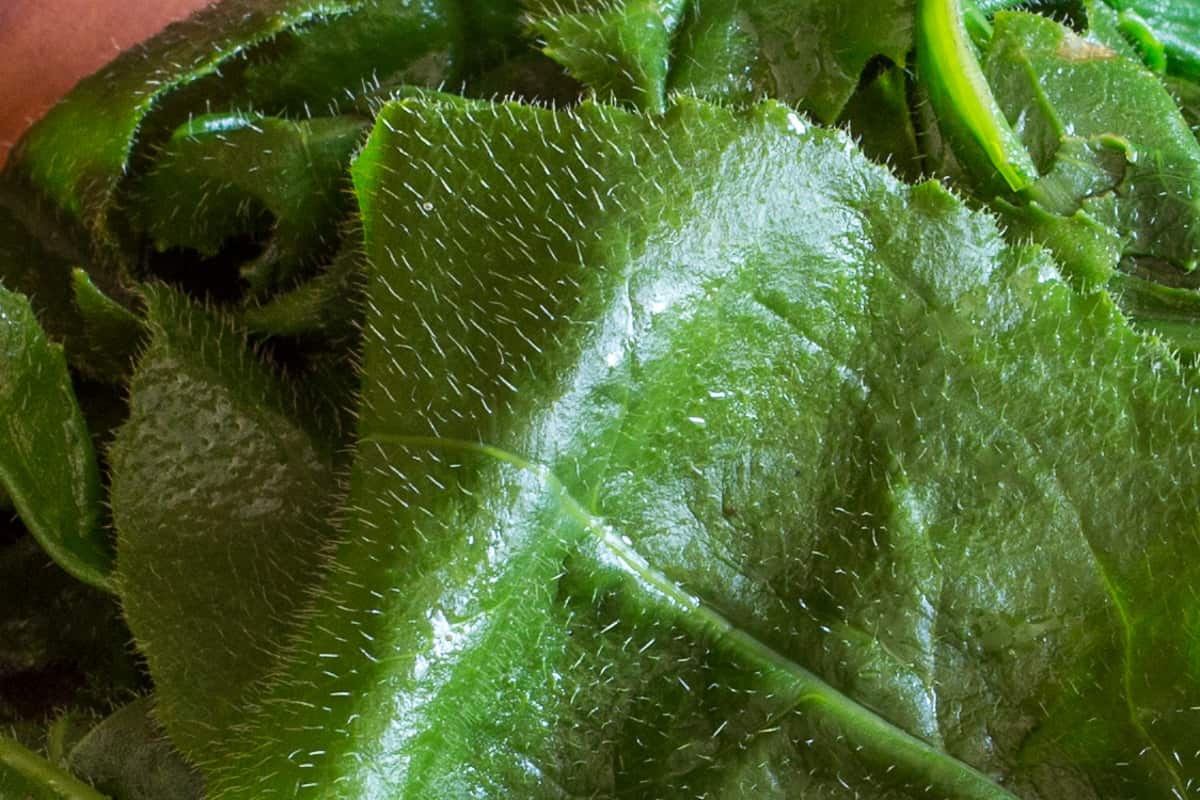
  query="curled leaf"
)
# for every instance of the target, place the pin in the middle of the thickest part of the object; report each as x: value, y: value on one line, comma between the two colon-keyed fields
x: 47, y: 464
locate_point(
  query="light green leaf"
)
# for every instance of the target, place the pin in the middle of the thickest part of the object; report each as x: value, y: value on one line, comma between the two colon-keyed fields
x: 26, y: 775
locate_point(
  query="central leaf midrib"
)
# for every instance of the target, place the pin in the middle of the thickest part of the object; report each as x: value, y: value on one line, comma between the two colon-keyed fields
x: 803, y: 687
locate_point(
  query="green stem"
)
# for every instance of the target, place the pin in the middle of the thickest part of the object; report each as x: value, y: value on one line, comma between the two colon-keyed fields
x: 32, y: 772
x: 962, y: 100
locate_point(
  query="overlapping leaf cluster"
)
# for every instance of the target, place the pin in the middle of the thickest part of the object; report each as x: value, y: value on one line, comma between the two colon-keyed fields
x: 589, y: 398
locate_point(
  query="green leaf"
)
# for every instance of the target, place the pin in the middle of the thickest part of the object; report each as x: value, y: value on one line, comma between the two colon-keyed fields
x: 37, y: 254
x: 1144, y: 160
x: 1167, y: 32
x: 326, y: 307
x: 879, y: 117
x: 300, y: 56
x: 47, y: 465
x: 620, y: 50
x: 742, y: 470
x: 220, y: 497
x: 111, y: 332
x: 129, y: 757
x: 808, y: 52
x: 222, y: 175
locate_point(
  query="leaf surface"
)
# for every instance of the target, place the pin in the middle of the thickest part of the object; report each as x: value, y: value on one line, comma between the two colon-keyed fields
x: 274, y: 55
x: 743, y: 470
x: 128, y: 756
x: 47, y: 464
x: 228, y: 174
x: 219, y: 498
x: 640, y: 51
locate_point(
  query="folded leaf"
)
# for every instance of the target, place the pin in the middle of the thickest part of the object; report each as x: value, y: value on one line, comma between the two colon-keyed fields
x: 277, y: 55
x: 219, y: 497
x: 37, y: 254
x: 701, y: 456
x: 47, y: 465
x: 1145, y: 160
x: 129, y: 757
x: 325, y: 307
x: 1167, y: 31
x: 111, y: 332
x: 809, y: 52
x: 222, y: 175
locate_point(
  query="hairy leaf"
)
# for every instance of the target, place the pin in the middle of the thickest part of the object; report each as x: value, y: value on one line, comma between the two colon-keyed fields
x: 277, y: 55
x: 228, y: 174
x: 744, y: 469
x: 129, y: 757
x: 220, y: 498
x: 809, y: 52
x: 1126, y: 159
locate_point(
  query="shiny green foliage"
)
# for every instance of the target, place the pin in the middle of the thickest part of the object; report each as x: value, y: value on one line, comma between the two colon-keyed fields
x: 668, y: 444
x: 1126, y: 158
x: 47, y: 464
x: 1117, y: 175
x: 1167, y: 32
x: 966, y: 111
x: 733, y: 506
x: 809, y: 52
x: 220, y: 499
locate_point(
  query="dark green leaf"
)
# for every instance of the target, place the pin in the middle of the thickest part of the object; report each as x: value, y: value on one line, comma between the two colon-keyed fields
x: 277, y: 55
x: 747, y: 471
x: 220, y: 499
x: 47, y: 465
x: 37, y: 254
x: 878, y: 115
x: 223, y: 175
x: 806, y: 52
x: 129, y: 757
x: 326, y: 307
x: 111, y: 332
